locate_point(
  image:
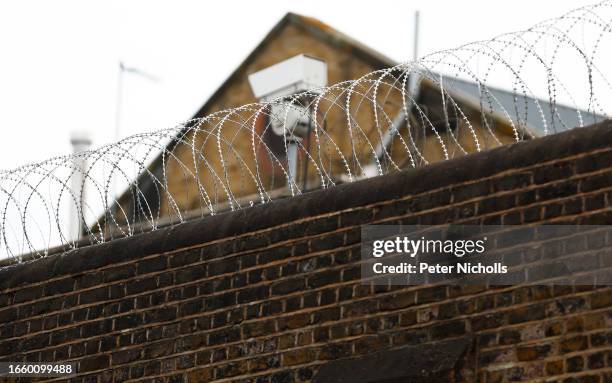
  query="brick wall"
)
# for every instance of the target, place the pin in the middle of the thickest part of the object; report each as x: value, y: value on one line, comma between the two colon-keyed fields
x: 272, y: 293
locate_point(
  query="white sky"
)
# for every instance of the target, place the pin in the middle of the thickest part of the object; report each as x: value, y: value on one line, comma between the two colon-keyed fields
x: 59, y: 59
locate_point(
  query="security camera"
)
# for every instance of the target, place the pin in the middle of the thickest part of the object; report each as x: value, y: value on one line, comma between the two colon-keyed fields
x: 278, y: 82
x: 290, y: 117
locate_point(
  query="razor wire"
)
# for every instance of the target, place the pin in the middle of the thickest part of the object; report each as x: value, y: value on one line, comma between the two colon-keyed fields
x: 439, y: 107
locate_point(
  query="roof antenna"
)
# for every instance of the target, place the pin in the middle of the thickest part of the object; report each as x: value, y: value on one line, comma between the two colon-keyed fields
x: 123, y: 69
x: 119, y: 110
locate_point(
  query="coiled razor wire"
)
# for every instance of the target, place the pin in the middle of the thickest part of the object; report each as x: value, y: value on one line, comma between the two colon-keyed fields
x: 437, y: 108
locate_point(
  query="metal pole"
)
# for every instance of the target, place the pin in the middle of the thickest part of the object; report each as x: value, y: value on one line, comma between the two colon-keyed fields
x: 305, y: 172
x: 118, y: 108
x: 415, y: 52
x: 292, y: 157
x: 80, y: 142
x: 398, y: 121
x: 413, y: 78
x: 118, y: 116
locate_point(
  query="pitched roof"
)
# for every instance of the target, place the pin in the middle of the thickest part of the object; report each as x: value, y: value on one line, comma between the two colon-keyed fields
x: 316, y: 28
x: 527, y: 109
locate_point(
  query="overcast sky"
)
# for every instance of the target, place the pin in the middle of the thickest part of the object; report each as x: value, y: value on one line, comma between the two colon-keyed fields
x: 59, y: 59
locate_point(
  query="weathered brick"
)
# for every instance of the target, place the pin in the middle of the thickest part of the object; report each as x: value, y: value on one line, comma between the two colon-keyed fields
x: 557, y: 190
x: 190, y: 274
x: 294, y: 321
x: 185, y: 258
x: 574, y: 343
x: 497, y: 203
x: 126, y: 356
x: 488, y: 321
x: 323, y: 278
x: 326, y: 315
x: 469, y: 191
x: 159, y: 349
x: 574, y: 364
x: 596, y: 181
x: 95, y: 295
x: 160, y: 315
x: 552, y: 172
x: 371, y: 343
x: 223, y: 266
x: 72, y: 333
x: 89, y: 280
x: 141, y: 285
x: 190, y: 307
x: 554, y: 367
x: 60, y: 286
x: 529, y: 353
x: 47, y: 306
x: 601, y: 299
x: 96, y: 328
x: 448, y: 330
x: 27, y: 294
x: 224, y: 336
x: 33, y: 342
x: 201, y: 375
x: 128, y: 321
x: 335, y: 351
x: 357, y: 309
x: 297, y: 357
x: 326, y: 242
x: 293, y: 304
x: 152, y: 264
x: 119, y: 273
x: 596, y: 360
x: 355, y: 217
x: 253, y: 294
x: 288, y: 286
x: 93, y: 363
x: 431, y: 294
x: 527, y: 313
x: 398, y: 301
x: 594, y: 162
x: 259, y: 328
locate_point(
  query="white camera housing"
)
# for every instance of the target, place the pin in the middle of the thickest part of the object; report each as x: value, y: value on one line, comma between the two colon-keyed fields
x: 297, y: 74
